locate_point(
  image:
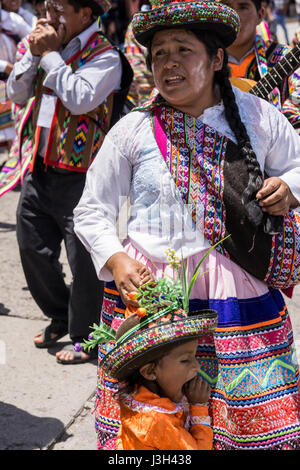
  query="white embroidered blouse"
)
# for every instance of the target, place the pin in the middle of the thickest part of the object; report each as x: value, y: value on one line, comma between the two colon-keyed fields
x: 130, y: 167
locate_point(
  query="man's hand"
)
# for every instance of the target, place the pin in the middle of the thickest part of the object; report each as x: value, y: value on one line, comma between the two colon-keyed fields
x: 275, y: 197
x: 44, y: 38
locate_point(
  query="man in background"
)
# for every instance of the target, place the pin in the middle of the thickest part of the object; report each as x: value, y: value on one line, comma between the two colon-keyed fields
x: 15, y: 6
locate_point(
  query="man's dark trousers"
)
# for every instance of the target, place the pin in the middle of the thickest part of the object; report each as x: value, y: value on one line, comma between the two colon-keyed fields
x: 44, y: 220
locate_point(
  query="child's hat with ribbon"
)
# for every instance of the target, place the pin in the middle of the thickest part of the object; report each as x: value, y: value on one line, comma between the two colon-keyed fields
x: 213, y: 16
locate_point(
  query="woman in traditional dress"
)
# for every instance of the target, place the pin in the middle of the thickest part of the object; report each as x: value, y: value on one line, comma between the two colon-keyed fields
x: 193, y: 162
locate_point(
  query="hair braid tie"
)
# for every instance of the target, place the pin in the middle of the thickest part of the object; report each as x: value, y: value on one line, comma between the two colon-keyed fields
x: 272, y: 224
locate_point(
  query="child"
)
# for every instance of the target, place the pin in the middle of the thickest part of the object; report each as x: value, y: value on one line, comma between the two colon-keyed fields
x: 163, y: 402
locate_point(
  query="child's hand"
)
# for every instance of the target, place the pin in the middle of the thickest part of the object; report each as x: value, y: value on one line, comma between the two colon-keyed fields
x: 197, y: 390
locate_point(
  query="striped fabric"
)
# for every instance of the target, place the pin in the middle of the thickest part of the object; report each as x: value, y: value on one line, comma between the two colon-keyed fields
x: 107, y: 414
x: 14, y: 169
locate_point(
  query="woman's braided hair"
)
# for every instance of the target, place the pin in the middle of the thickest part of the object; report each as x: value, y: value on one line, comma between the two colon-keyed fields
x: 212, y: 44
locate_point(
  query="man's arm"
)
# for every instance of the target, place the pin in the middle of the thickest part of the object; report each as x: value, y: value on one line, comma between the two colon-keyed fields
x: 5, y: 66
x: 81, y: 91
x: 88, y: 87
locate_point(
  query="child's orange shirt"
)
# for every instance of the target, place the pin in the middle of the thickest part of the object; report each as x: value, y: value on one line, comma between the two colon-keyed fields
x: 149, y: 422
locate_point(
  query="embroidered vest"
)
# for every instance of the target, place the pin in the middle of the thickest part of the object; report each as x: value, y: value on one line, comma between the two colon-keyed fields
x: 211, y: 176
x: 74, y: 140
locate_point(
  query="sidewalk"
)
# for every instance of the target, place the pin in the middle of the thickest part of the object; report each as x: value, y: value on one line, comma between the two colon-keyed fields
x: 44, y: 405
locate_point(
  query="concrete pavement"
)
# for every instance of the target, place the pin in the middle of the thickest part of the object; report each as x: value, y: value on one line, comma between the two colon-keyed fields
x: 292, y: 26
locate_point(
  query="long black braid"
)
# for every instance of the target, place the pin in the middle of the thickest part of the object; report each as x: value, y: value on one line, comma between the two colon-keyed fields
x: 253, y: 211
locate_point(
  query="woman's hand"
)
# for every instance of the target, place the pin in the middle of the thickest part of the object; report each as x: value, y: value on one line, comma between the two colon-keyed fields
x: 275, y: 197
x: 197, y: 391
x: 128, y: 275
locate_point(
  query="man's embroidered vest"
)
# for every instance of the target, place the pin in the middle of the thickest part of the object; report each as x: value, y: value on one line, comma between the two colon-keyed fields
x: 74, y: 140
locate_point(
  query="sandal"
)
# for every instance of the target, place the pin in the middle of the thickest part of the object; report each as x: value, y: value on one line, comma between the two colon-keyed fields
x: 77, y: 356
x: 57, y: 328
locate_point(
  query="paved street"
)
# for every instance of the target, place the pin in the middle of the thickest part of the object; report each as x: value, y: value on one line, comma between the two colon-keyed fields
x: 44, y: 405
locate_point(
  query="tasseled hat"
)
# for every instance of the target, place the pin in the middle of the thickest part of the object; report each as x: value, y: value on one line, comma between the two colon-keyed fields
x: 197, y: 15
